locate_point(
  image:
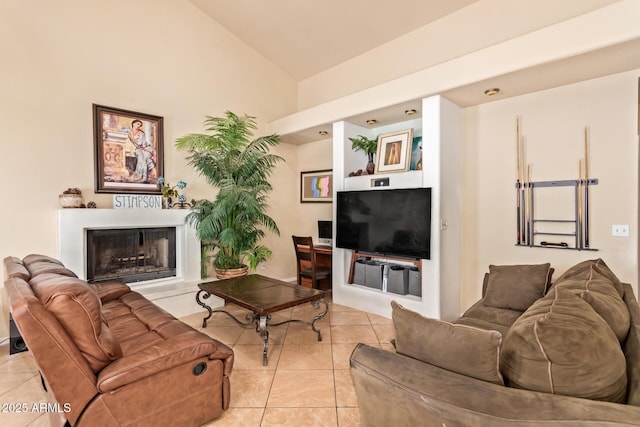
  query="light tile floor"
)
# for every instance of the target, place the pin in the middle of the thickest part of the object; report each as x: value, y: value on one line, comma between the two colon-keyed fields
x: 306, y: 383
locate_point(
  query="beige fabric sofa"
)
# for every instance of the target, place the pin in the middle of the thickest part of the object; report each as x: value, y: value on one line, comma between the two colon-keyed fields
x: 110, y: 357
x: 564, y: 356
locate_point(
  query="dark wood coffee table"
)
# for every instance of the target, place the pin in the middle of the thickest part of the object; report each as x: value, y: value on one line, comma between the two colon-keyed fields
x: 262, y: 296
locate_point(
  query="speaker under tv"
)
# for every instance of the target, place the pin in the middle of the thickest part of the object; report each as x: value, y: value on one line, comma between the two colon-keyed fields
x: 391, y: 222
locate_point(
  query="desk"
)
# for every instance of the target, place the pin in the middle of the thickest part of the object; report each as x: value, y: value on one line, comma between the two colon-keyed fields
x: 323, y: 259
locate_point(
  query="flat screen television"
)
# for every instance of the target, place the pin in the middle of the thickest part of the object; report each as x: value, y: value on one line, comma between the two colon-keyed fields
x: 392, y: 222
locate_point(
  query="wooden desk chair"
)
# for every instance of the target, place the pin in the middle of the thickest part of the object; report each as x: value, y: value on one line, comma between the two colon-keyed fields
x: 306, y: 263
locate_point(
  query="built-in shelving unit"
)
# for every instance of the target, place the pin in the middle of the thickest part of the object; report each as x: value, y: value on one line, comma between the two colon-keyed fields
x: 440, y: 127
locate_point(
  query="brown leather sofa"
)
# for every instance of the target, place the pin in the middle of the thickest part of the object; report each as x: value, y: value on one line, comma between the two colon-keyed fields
x: 110, y: 357
x: 564, y: 356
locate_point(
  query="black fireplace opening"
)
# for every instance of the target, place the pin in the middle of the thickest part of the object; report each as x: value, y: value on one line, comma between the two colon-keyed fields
x: 131, y: 254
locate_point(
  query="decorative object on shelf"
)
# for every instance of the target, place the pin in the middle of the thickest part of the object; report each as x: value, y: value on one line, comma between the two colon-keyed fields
x: 416, y: 154
x: 92, y: 205
x: 128, y: 151
x: 369, y: 146
x: 169, y: 192
x: 180, y: 204
x: 575, y: 228
x: 166, y: 203
x: 394, y: 151
x: 316, y: 186
x: 231, y: 226
x: 71, y: 198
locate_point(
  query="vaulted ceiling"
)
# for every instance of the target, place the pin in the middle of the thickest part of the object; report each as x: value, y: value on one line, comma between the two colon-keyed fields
x: 305, y: 37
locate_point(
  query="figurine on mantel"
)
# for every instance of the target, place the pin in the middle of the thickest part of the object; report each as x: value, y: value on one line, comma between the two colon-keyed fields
x: 72, y: 198
x: 169, y: 191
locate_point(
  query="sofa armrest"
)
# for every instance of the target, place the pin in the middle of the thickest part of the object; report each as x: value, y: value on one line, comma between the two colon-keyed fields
x: 108, y: 291
x: 393, y: 389
x: 175, y: 351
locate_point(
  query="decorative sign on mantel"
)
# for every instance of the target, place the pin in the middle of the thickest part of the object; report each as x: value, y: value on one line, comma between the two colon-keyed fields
x: 136, y: 201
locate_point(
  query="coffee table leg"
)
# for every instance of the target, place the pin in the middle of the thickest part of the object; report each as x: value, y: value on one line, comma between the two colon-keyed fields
x: 316, y: 305
x: 312, y: 322
x: 205, y: 295
x: 262, y: 323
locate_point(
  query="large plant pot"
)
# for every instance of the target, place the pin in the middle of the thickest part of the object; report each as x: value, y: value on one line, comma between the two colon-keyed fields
x: 232, y: 272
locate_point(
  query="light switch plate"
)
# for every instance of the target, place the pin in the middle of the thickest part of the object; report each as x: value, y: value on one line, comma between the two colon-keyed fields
x: 620, y: 230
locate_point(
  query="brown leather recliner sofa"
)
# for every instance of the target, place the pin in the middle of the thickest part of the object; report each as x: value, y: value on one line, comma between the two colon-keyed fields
x: 110, y: 357
x: 525, y: 354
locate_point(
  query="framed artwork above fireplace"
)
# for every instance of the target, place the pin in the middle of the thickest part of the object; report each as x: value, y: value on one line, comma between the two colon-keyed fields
x: 128, y: 151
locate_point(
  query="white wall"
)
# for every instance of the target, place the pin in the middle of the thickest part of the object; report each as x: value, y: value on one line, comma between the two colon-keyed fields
x: 159, y: 57
x: 552, y: 123
x: 296, y: 218
x: 313, y: 156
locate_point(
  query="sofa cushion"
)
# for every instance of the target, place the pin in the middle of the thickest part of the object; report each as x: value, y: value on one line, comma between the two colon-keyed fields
x: 612, y: 309
x: 561, y: 345
x: 516, y: 287
x: 496, y: 315
x: 584, y: 267
x: 110, y: 290
x: 138, y: 323
x: 595, y: 283
x: 29, y: 259
x: 631, y: 347
x: 490, y: 318
x: 44, y: 267
x: 13, y: 267
x: 459, y: 348
x: 77, y: 308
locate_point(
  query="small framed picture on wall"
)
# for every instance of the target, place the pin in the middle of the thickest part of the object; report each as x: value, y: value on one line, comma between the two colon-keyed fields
x: 316, y: 186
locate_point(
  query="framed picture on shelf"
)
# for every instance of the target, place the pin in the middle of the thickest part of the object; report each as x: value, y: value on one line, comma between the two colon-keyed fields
x: 316, y: 186
x: 394, y: 151
x: 128, y: 151
x: 415, y: 163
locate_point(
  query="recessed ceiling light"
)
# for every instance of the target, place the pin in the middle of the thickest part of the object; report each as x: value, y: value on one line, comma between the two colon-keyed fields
x: 410, y: 112
x: 323, y: 132
x: 492, y: 91
x: 372, y: 121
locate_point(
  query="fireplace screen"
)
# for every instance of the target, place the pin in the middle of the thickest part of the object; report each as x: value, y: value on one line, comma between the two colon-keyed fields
x: 131, y: 254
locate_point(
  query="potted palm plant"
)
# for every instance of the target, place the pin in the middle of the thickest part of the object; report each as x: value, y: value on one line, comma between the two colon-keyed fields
x: 231, y: 226
x: 369, y: 146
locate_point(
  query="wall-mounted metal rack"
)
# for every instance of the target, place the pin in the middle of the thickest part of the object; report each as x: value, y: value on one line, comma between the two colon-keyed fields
x: 531, y: 231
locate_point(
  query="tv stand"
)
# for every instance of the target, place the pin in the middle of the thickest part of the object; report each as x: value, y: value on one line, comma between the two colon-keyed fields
x: 355, y: 255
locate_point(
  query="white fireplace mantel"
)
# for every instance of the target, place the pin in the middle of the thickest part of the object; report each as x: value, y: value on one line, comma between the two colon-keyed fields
x: 72, y: 226
x: 73, y: 223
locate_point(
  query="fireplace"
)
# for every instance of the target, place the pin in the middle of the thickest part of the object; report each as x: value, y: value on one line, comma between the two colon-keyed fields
x: 75, y: 226
x: 175, y: 294
x: 131, y: 254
